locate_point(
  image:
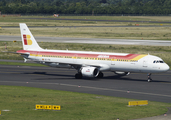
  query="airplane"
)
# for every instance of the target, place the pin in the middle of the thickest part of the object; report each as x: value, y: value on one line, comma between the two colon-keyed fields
x: 89, y: 64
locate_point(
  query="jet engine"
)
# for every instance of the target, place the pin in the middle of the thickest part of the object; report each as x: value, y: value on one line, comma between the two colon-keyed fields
x: 90, y: 71
x: 122, y: 73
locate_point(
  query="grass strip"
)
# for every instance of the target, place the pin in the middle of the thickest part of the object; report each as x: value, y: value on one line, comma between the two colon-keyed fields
x: 159, y: 33
x: 145, y: 33
x: 21, y: 102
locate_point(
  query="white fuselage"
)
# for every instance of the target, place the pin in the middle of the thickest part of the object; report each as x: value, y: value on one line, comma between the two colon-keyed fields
x: 105, y: 61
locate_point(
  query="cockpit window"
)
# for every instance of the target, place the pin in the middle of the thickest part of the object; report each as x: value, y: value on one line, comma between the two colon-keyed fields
x: 161, y: 61
x: 158, y: 61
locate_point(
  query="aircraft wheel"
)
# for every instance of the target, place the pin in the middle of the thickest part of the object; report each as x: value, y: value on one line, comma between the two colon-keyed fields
x: 149, y: 80
x: 78, y: 75
x: 100, y: 75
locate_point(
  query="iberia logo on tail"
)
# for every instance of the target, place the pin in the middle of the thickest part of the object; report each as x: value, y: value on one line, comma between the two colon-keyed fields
x: 27, y: 40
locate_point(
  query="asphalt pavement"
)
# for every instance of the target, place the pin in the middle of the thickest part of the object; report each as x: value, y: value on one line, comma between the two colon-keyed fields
x: 91, y: 40
x: 134, y: 86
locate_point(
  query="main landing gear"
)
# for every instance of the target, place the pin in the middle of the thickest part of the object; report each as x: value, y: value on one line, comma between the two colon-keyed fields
x: 78, y: 75
x: 100, y: 75
x: 149, y: 77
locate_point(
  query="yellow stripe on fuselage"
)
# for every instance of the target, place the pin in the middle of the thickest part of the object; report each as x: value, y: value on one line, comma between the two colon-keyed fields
x: 138, y: 57
x: 36, y: 55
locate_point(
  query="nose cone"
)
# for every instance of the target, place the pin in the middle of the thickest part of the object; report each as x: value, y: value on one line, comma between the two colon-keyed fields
x: 166, y: 68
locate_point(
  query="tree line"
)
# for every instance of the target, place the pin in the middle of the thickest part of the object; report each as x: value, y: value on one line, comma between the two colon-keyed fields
x: 141, y: 7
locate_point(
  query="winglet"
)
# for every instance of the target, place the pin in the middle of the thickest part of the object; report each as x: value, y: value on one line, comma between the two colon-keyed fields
x: 29, y: 42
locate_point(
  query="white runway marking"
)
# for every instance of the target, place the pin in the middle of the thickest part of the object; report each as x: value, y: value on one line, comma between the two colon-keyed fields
x: 89, y: 87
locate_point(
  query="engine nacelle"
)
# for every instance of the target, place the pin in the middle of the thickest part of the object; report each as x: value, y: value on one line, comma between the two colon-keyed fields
x: 122, y: 73
x: 90, y: 71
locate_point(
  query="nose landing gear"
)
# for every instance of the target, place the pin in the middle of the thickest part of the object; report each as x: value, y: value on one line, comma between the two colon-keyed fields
x: 149, y: 77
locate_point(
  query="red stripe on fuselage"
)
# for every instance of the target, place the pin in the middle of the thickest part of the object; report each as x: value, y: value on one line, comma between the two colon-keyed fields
x: 103, y: 55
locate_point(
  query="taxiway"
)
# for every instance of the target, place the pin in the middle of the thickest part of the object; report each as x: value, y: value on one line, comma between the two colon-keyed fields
x: 91, y: 40
x: 134, y: 86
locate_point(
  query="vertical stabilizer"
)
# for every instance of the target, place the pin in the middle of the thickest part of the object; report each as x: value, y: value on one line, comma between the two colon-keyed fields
x: 29, y: 42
